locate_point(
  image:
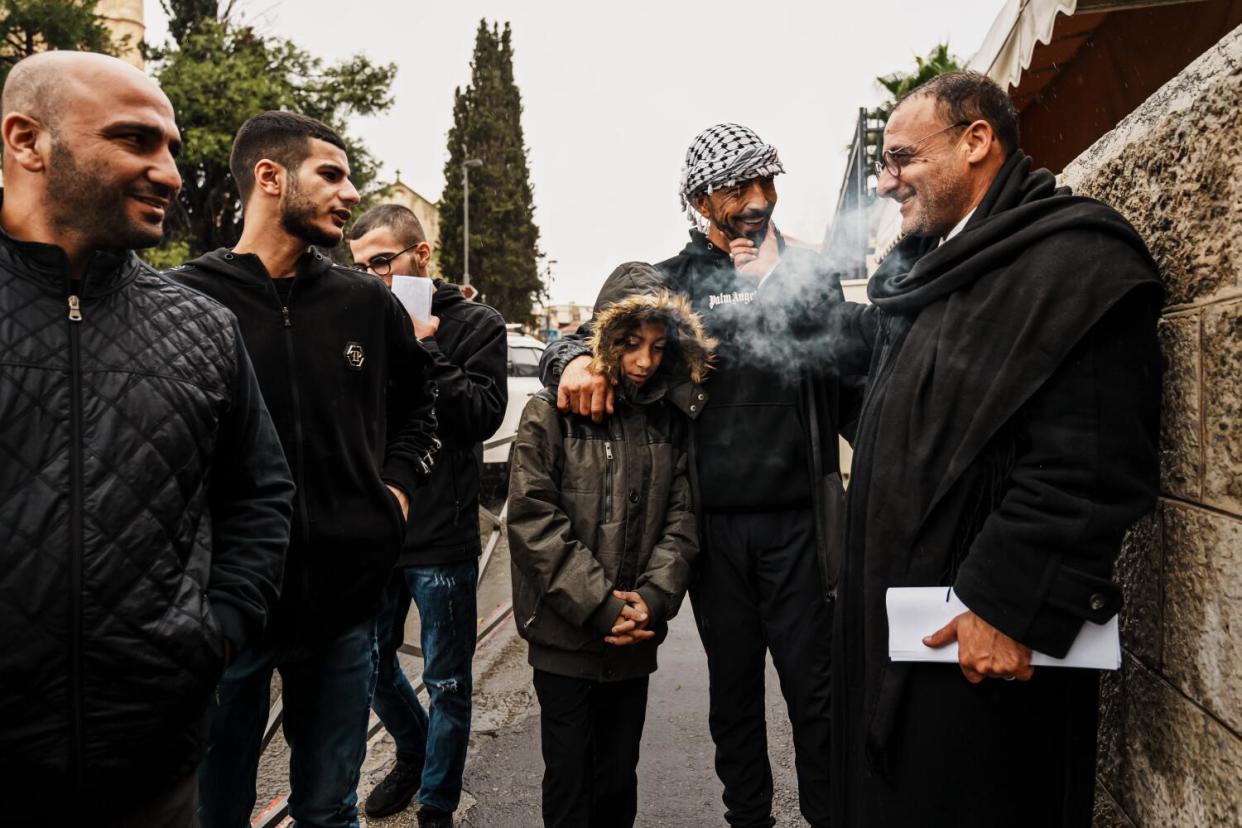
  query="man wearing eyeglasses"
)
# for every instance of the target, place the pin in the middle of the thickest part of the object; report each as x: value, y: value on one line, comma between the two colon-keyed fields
x: 1007, y: 441
x: 439, y: 563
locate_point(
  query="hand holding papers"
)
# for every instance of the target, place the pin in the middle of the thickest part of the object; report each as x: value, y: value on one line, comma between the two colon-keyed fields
x: 914, y: 612
x: 415, y: 294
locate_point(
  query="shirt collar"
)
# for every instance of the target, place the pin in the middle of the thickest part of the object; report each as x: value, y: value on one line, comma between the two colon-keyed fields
x: 959, y: 227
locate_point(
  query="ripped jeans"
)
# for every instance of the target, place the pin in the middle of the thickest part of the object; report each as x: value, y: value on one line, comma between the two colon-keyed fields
x: 445, y: 597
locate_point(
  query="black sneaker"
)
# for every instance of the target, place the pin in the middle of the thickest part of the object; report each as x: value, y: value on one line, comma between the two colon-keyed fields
x: 431, y: 818
x: 395, y: 792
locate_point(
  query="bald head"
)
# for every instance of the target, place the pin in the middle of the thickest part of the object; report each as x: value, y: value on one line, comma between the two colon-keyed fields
x: 42, y: 85
x: 89, y: 148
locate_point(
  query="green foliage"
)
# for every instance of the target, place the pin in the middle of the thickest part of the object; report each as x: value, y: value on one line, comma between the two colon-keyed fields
x: 169, y: 254
x: 184, y: 15
x: 29, y: 26
x: 219, y: 74
x: 504, y: 240
x: 899, y: 84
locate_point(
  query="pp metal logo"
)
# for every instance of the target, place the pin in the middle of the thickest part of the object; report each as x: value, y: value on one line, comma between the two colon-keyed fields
x: 354, y: 355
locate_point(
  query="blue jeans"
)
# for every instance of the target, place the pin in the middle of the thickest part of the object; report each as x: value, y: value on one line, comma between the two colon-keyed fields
x: 326, y: 688
x: 445, y: 597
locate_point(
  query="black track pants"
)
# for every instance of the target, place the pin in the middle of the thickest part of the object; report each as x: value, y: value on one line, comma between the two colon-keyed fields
x: 590, y: 733
x: 758, y: 589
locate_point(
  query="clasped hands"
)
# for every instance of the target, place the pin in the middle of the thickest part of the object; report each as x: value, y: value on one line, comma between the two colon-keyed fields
x: 982, y: 650
x: 631, y: 625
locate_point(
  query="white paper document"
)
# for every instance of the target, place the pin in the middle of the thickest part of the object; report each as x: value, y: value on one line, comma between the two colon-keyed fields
x: 915, y: 612
x: 415, y: 293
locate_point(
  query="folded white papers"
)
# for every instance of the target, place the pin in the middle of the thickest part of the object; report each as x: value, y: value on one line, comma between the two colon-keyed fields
x: 915, y: 612
x: 415, y: 293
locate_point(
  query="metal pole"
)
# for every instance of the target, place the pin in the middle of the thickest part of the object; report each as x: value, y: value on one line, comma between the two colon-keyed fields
x: 465, y: 238
x: 860, y: 177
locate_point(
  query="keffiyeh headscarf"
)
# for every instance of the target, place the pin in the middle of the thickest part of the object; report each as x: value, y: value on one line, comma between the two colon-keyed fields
x: 722, y: 156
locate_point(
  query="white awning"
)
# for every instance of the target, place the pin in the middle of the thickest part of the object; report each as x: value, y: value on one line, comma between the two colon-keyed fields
x: 1007, y: 49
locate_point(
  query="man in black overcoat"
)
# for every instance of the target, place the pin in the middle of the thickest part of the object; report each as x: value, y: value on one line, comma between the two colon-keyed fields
x: 1006, y: 442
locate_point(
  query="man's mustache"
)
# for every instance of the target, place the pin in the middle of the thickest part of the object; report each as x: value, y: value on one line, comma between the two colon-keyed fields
x: 730, y: 228
x: 754, y: 215
x: 160, y: 192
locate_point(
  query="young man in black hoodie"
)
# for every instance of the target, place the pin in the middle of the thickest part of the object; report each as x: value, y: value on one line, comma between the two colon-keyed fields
x: 439, y: 565
x: 764, y: 440
x: 347, y: 386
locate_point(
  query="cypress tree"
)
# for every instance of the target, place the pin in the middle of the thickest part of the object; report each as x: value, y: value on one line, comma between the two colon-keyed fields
x: 504, y: 240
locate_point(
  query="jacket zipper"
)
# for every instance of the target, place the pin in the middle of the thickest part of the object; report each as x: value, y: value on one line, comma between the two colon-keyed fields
x: 76, y: 536
x: 295, y: 401
x: 608, y: 481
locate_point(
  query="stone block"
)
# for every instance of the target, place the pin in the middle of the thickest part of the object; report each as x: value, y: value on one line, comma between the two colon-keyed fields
x: 1111, y: 737
x: 1180, y: 766
x: 1171, y: 168
x: 1181, y: 444
x: 1107, y: 813
x: 1139, y: 570
x: 1222, y: 406
x: 1203, y: 608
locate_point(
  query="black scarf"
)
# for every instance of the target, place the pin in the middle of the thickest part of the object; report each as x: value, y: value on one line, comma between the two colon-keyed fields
x: 981, y: 322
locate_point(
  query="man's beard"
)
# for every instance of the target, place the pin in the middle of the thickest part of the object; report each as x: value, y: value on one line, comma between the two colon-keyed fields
x: 297, y: 217
x: 84, y: 199
x: 939, y: 200
x: 729, y: 227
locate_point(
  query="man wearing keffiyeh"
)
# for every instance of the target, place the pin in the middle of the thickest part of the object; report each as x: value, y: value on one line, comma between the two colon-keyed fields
x: 789, y: 363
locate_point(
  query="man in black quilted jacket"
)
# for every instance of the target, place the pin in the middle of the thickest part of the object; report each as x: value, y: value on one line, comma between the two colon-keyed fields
x: 144, y: 497
x: 347, y: 384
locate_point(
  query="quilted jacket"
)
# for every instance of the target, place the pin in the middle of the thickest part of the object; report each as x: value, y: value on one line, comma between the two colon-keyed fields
x: 144, y: 513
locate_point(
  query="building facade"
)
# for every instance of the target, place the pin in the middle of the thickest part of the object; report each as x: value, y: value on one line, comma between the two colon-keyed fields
x: 126, y: 20
x: 428, y: 213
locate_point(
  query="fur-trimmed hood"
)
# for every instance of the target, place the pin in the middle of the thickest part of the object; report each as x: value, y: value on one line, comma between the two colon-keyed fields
x: 688, y: 351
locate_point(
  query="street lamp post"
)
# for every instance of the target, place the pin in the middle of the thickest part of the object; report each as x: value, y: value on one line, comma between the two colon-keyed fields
x: 465, y: 208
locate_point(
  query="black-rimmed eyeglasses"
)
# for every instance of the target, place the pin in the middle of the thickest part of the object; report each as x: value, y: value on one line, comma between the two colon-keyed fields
x: 382, y: 265
x: 892, y: 161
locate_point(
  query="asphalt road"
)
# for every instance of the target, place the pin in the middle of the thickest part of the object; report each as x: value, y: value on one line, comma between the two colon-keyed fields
x: 677, y: 785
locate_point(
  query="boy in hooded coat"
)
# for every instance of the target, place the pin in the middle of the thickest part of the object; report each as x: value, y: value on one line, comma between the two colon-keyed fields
x: 602, y: 535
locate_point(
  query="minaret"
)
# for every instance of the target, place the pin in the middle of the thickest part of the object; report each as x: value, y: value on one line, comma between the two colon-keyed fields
x: 125, y: 18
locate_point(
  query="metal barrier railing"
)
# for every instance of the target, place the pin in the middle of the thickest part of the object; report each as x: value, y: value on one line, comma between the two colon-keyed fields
x: 279, y: 810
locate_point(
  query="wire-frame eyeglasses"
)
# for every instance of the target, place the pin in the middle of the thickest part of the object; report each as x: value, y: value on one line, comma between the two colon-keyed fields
x: 382, y: 265
x: 892, y: 161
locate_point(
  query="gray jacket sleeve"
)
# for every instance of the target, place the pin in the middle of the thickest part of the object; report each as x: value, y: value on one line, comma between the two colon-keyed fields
x: 542, y: 545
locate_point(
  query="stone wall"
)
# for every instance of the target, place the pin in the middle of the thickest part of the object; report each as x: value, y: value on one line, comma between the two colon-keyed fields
x: 1171, y: 720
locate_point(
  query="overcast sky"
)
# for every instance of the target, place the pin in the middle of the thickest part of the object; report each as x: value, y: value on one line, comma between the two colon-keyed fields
x: 615, y: 92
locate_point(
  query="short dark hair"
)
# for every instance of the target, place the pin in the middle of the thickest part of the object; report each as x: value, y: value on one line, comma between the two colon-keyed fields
x: 283, y: 137
x: 396, y: 217
x: 971, y: 96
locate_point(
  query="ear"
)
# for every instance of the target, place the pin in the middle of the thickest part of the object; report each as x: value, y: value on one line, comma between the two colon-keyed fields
x: 23, y: 142
x: 269, y: 177
x: 979, y: 141
x: 700, y: 204
x: 422, y: 255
